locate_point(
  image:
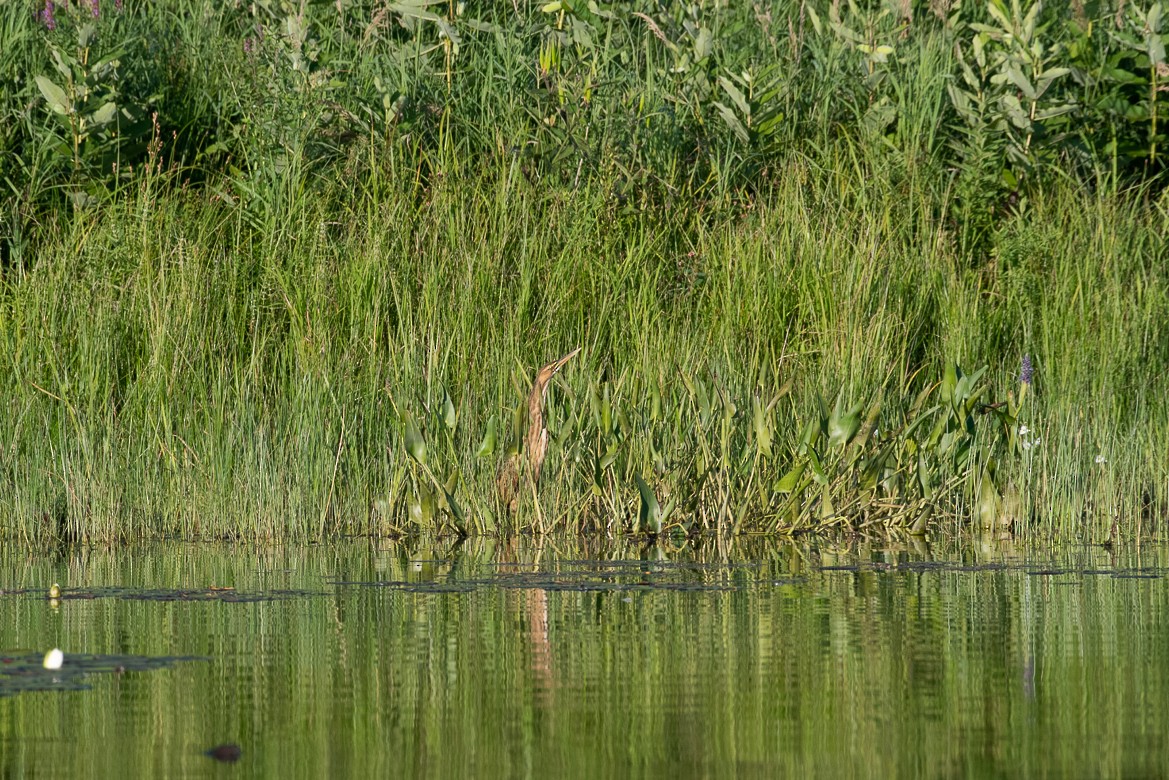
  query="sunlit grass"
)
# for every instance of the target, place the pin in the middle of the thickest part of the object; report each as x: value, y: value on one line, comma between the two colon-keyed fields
x: 176, y: 369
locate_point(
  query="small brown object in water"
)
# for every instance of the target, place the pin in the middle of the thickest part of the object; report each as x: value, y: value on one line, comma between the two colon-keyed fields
x: 536, y: 441
x: 228, y: 754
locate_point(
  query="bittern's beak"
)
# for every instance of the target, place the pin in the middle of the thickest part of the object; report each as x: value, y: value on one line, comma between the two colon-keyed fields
x: 549, y: 371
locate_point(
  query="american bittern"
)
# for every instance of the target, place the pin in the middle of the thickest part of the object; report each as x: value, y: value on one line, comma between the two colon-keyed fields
x: 535, y: 442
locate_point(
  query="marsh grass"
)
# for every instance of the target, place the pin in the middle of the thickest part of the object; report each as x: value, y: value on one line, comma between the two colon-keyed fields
x: 341, y: 249
x: 178, y: 369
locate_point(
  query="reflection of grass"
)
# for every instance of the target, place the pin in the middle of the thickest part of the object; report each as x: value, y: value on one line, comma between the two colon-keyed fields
x: 777, y: 661
x: 172, y: 370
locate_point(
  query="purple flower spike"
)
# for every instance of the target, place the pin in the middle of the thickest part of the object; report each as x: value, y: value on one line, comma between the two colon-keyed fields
x: 95, y: 7
x: 118, y: 6
x: 47, y: 18
x: 1027, y: 372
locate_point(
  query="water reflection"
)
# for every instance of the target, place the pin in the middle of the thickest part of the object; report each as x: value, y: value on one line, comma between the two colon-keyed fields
x: 522, y: 658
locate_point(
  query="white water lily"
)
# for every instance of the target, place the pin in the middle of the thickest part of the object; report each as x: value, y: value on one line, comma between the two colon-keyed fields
x: 54, y: 659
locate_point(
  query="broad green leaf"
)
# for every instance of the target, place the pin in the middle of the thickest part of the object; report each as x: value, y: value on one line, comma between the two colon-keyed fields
x: 843, y: 423
x: 988, y: 496
x: 733, y: 123
x: 85, y: 35
x: 790, y: 480
x: 736, y: 96
x: 818, y: 472
x: 827, y: 510
x: 924, y: 478
x: 1054, y: 111
x: 762, y: 427
x: 415, y: 445
x: 487, y: 446
x: 1000, y: 16
x: 703, y: 43
x: 449, y: 418
x: 456, y: 512
x: 810, y: 436
x: 1015, y: 112
x: 1029, y: 21
x: 1156, y: 50
x: 606, y: 413
x: 1020, y: 80
x: 949, y: 381
x: 651, y: 512
x: 105, y: 114
x: 923, y: 518
x: 421, y: 506
x: 54, y: 95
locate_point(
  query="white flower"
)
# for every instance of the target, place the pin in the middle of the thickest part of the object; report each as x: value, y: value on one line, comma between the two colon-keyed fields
x: 1101, y: 459
x: 54, y: 658
x: 1024, y: 430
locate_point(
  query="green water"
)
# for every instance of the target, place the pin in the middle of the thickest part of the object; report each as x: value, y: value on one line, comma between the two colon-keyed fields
x: 761, y: 659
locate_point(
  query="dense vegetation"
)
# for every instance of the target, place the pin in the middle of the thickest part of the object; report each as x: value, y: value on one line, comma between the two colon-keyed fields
x: 287, y: 269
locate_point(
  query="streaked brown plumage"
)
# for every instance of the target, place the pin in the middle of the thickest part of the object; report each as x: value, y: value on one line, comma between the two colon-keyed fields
x: 536, y: 440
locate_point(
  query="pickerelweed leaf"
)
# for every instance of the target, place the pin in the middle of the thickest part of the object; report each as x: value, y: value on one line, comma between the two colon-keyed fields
x: 651, y: 511
x: 790, y: 480
x: 762, y: 426
x: 449, y: 418
x: 487, y: 446
x: 843, y: 423
x: 415, y: 445
x: 818, y: 472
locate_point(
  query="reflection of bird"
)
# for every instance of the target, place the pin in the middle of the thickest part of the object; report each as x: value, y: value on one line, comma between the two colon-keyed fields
x: 536, y: 441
